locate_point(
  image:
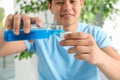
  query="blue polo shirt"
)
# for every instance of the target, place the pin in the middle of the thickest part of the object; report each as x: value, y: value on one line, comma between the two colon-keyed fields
x: 54, y: 62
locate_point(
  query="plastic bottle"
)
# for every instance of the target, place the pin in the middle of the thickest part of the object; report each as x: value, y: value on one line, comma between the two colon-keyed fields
x: 35, y: 33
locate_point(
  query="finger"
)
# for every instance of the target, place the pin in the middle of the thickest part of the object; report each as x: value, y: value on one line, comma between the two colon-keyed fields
x: 79, y: 42
x: 9, y: 21
x: 16, y: 27
x: 36, y: 20
x: 80, y: 49
x: 81, y: 56
x: 26, y: 23
x: 76, y: 35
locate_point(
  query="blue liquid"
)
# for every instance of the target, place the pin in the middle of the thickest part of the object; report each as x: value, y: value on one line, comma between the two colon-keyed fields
x: 34, y: 34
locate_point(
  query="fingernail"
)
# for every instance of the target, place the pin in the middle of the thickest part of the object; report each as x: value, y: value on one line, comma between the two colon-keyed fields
x: 27, y: 30
x: 39, y: 24
x: 16, y: 32
x: 8, y: 28
x: 69, y: 51
x: 61, y: 43
x: 76, y: 57
x: 66, y: 36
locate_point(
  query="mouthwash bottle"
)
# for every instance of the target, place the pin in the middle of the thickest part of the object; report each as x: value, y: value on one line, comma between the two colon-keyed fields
x: 35, y: 33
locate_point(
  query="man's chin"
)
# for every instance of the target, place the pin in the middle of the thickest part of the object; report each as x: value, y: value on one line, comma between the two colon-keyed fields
x: 67, y: 25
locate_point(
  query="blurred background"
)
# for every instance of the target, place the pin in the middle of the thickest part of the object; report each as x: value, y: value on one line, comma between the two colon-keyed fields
x: 103, y: 13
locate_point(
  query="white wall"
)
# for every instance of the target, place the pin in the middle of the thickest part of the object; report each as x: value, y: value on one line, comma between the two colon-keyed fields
x: 112, y: 28
x: 26, y: 69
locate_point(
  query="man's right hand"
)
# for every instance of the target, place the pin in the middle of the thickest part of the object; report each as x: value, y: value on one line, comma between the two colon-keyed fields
x: 14, y: 21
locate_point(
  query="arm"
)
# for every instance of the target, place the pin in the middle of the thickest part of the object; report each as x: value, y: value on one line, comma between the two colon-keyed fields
x: 7, y: 48
x: 107, y: 59
x: 13, y: 22
x: 110, y: 63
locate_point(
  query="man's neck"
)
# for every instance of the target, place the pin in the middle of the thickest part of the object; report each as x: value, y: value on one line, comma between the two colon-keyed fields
x: 71, y: 28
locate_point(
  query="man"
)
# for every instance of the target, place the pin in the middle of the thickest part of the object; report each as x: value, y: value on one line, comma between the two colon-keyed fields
x: 74, y: 58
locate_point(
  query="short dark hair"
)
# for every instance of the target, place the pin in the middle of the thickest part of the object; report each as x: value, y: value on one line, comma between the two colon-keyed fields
x: 50, y: 1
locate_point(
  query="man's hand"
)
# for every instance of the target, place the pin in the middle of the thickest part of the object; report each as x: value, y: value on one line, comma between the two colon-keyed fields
x: 14, y: 21
x: 83, y: 45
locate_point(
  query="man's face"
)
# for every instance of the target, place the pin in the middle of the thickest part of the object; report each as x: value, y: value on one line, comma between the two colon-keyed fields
x: 66, y: 12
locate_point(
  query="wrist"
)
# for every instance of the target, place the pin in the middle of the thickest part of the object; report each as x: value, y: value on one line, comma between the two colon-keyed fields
x: 103, y: 59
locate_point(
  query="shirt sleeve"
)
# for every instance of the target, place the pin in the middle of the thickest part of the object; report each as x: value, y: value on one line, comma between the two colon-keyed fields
x: 29, y: 46
x: 103, y: 40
